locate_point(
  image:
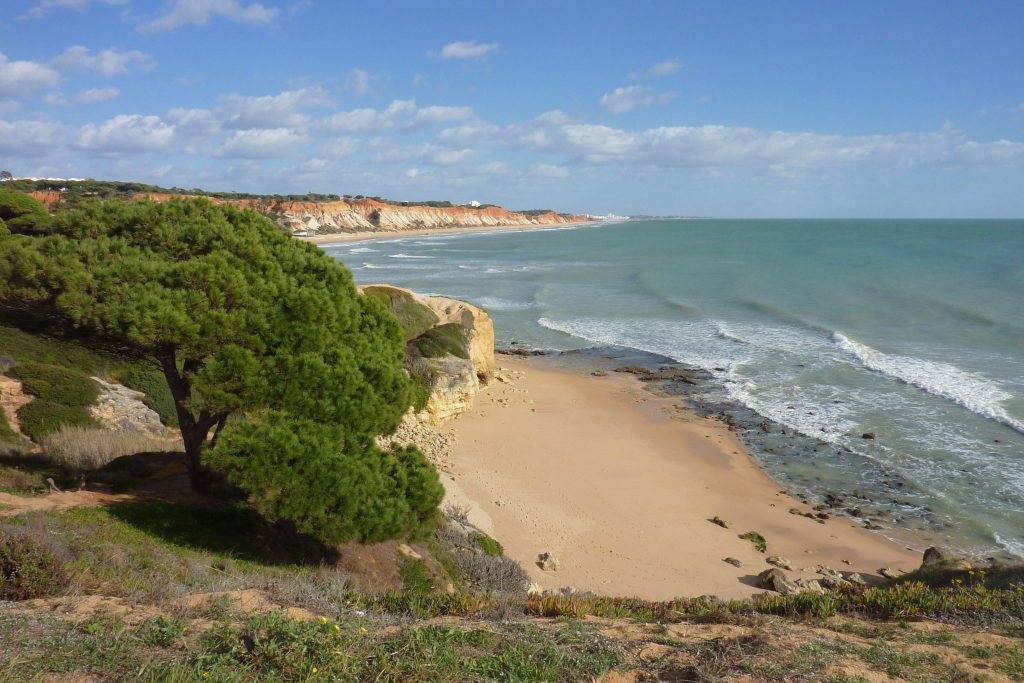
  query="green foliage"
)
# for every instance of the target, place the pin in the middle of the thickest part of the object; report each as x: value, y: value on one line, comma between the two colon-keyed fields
x: 489, y: 545
x: 148, y: 379
x: 56, y: 384
x: 26, y: 347
x: 442, y: 340
x: 21, y: 213
x: 422, y: 385
x: 39, y: 418
x: 6, y: 432
x: 760, y: 544
x: 366, y: 494
x: 31, y: 565
x: 243, y: 320
x: 414, y: 317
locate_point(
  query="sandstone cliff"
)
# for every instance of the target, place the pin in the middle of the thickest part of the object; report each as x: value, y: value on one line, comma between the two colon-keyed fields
x: 449, y: 347
x: 368, y: 215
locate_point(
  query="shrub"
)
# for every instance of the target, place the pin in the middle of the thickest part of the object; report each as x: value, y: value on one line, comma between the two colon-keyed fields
x: 489, y: 545
x: 86, y: 448
x: 760, y: 544
x: 414, y: 317
x: 39, y: 418
x: 151, y: 381
x: 22, y: 213
x: 32, y: 565
x: 56, y: 384
x: 442, y: 340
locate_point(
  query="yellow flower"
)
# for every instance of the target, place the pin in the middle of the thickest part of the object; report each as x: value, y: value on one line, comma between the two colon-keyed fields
x: 206, y: 674
x: 323, y: 620
x: 314, y: 669
x: 337, y: 628
x: 362, y: 629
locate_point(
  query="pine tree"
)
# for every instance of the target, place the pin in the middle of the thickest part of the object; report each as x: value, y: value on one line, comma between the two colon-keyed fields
x: 282, y: 374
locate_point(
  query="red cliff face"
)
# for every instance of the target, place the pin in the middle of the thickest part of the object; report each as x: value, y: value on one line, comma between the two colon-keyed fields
x: 358, y: 215
x: 372, y: 215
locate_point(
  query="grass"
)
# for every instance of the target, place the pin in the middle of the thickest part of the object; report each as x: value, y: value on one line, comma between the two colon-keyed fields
x: 760, y: 544
x: 81, y: 449
x: 443, y: 340
x: 272, y: 647
x: 56, y: 384
x: 40, y: 418
x: 415, y: 318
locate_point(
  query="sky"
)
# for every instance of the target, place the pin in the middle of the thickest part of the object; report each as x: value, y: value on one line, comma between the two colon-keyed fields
x: 727, y: 109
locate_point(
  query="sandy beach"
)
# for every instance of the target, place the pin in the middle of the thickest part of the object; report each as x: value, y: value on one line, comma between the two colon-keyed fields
x: 619, y: 485
x: 343, y: 237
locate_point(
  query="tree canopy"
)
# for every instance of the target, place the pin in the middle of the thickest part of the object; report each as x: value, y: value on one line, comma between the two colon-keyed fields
x: 21, y: 212
x: 264, y: 342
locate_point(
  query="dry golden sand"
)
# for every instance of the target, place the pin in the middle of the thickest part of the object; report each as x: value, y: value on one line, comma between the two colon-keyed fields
x: 619, y: 484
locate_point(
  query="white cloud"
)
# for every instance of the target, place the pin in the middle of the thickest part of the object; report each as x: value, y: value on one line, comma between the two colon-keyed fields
x: 269, y: 111
x: 433, y: 115
x: 467, y: 49
x: 31, y: 138
x: 56, y: 98
x: 44, y: 7
x: 126, y: 133
x: 360, y: 81
x: 97, y: 95
x: 370, y: 120
x: 263, y: 143
x: 109, y: 62
x: 340, y: 147
x: 180, y: 13
x: 548, y: 171
x: 659, y: 70
x: 621, y: 100
x: 22, y: 78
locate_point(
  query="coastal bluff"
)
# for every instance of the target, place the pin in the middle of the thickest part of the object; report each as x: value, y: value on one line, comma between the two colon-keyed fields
x: 309, y: 218
x: 449, y: 348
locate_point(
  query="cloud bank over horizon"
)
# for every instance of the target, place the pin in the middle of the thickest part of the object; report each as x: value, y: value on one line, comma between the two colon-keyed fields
x: 639, y: 140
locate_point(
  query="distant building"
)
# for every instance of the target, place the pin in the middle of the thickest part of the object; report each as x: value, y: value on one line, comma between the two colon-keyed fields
x: 475, y: 204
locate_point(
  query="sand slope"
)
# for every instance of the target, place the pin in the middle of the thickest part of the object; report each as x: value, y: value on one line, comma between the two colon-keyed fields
x: 619, y: 485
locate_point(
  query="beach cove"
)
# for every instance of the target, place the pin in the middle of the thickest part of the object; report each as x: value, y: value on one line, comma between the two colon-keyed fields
x: 621, y: 486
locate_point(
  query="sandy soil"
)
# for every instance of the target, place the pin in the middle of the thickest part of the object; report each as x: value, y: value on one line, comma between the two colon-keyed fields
x: 340, y: 238
x: 619, y: 484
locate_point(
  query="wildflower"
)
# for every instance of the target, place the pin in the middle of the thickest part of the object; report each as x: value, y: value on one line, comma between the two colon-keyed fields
x: 323, y: 620
x: 206, y: 674
x: 314, y: 669
x: 337, y: 628
x: 362, y: 629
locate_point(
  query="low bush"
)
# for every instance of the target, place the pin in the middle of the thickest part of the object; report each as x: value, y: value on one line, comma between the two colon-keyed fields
x: 81, y: 449
x: 760, y: 544
x: 56, y: 384
x: 32, y: 565
x: 442, y: 340
x: 487, y: 544
x: 39, y: 418
x: 151, y: 382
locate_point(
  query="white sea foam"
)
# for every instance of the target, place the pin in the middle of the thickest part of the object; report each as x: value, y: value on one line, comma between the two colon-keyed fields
x: 1010, y: 546
x: 408, y: 256
x: 498, y: 304
x: 369, y: 266
x: 974, y: 392
x: 360, y: 250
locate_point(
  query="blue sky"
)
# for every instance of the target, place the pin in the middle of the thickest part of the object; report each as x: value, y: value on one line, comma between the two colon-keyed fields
x: 766, y: 109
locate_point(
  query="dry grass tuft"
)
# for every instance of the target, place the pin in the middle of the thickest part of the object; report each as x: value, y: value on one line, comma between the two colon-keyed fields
x: 82, y: 449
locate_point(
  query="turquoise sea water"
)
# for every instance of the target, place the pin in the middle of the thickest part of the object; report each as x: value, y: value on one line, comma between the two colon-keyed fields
x: 913, y: 330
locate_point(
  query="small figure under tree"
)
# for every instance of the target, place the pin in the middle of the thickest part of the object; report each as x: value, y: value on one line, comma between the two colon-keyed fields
x: 282, y: 374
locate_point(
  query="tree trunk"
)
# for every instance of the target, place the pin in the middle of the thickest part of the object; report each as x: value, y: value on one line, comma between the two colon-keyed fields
x: 194, y: 430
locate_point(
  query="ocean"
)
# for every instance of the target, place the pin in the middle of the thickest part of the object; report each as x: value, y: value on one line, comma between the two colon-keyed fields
x: 912, y: 330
